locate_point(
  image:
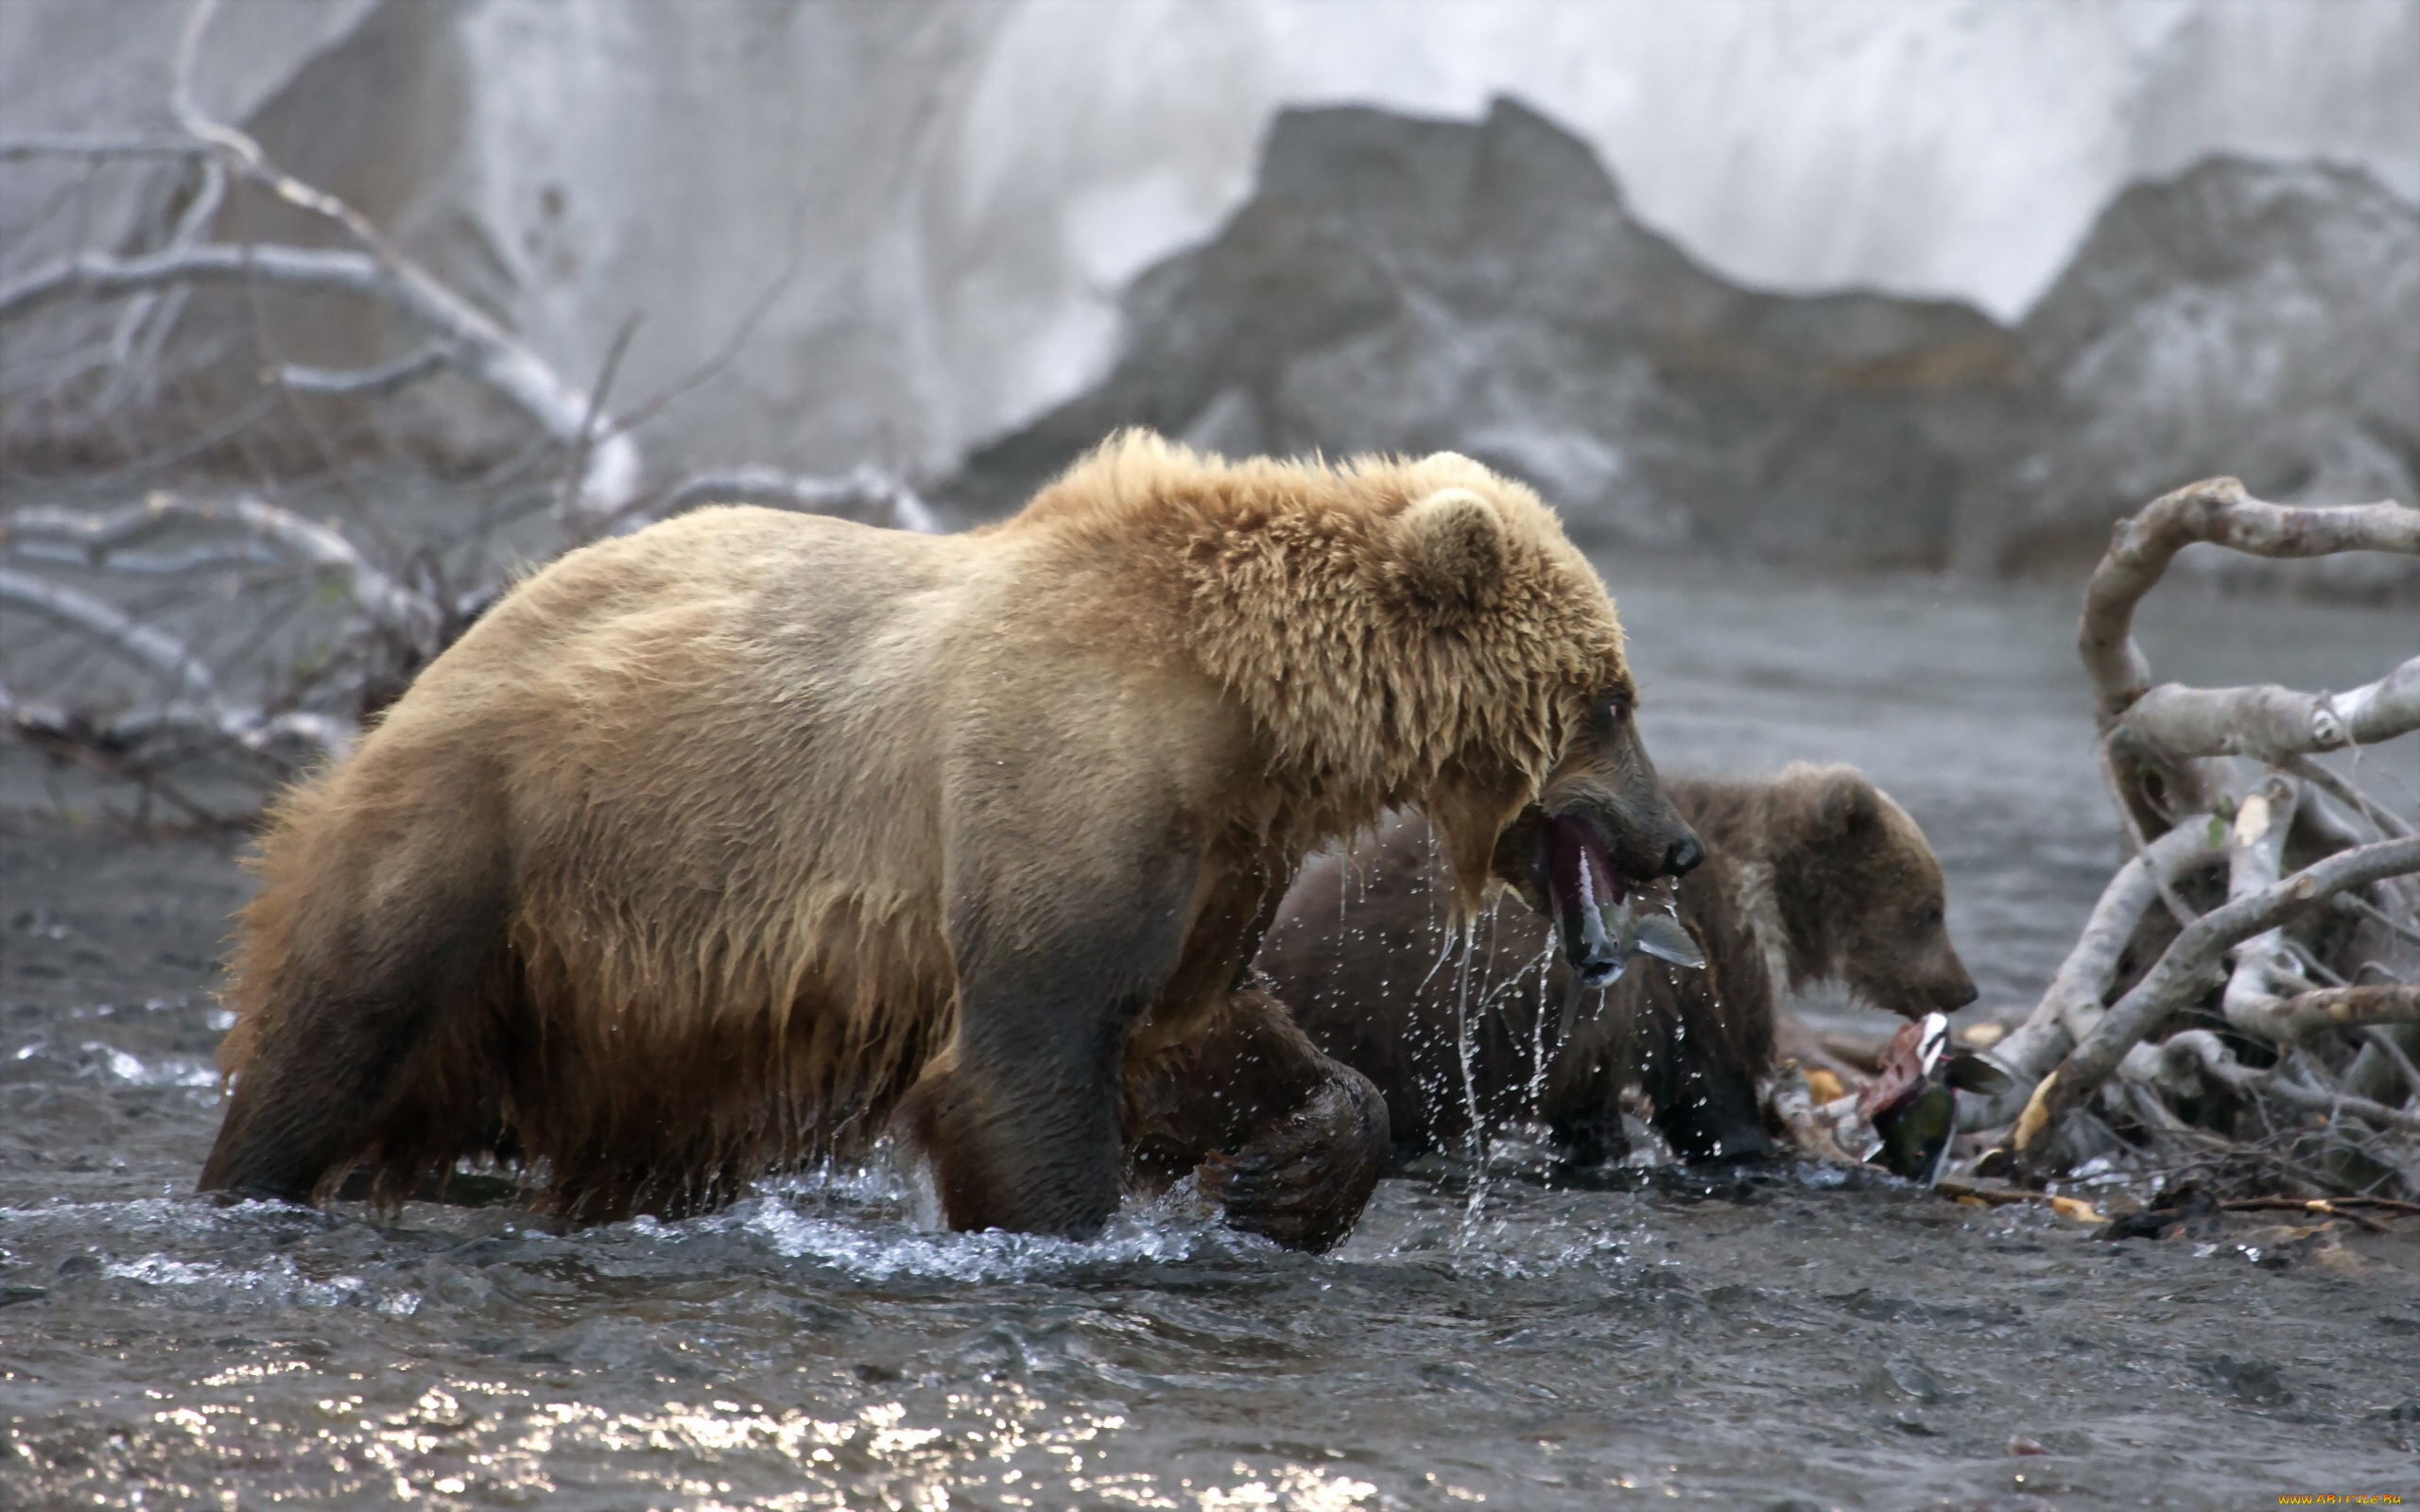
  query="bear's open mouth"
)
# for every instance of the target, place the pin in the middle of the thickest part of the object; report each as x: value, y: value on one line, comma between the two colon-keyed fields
x: 1581, y: 886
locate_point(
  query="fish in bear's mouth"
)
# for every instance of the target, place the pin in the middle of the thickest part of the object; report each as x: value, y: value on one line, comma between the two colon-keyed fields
x: 1593, y: 918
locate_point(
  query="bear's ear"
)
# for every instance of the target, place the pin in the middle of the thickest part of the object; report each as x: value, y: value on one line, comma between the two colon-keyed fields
x: 1454, y: 552
x: 1847, y: 803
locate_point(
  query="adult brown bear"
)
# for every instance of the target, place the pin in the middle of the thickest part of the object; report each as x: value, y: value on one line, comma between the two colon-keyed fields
x: 717, y: 848
x: 1812, y: 875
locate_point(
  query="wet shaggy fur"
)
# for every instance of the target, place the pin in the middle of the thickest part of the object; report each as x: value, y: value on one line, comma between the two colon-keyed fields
x: 1814, y: 875
x: 711, y: 846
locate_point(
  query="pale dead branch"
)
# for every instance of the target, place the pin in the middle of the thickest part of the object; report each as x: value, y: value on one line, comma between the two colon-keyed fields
x: 2270, y: 723
x: 79, y: 144
x: 365, y: 383
x: 2195, y: 773
x: 2219, y: 511
x: 474, y: 345
x: 2379, y: 915
x: 869, y: 495
x: 2263, y: 962
x: 2159, y: 742
x: 2386, y: 820
x: 470, y: 342
x: 2378, y: 1041
x: 191, y: 706
x: 274, y: 534
x: 2286, y: 1020
x: 104, y: 625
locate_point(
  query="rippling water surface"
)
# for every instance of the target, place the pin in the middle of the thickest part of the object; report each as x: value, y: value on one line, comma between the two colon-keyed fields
x: 1808, y: 1338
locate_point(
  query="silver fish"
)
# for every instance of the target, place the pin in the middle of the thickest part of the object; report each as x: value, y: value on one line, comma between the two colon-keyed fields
x: 1621, y: 933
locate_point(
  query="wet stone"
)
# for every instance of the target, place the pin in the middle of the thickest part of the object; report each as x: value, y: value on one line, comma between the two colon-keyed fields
x: 1908, y: 1380
x: 2256, y: 1381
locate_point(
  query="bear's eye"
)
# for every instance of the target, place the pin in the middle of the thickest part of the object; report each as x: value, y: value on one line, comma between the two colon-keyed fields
x: 1614, y: 708
x: 1929, y: 915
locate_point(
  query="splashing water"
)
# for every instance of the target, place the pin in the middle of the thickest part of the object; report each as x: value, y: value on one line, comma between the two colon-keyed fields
x: 1466, y: 1051
x: 1539, y: 970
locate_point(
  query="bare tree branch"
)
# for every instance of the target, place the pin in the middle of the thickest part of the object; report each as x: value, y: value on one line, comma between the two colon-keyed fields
x: 2379, y: 1040
x: 238, y: 147
x: 143, y: 325
x: 2285, y: 1019
x: 2257, y: 862
x: 869, y: 494
x: 193, y: 707
x: 103, y: 623
x: 2388, y: 824
x: 2270, y: 723
x: 474, y: 344
x: 252, y: 729
x: 78, y: 144
x: 365, y: 383
x: 99, y: 276
x: 2173, y: 755
x: 2365, y: 909
x: 566, y: 496
x: 404, y: 612
x: 305, y: 543
x: 2219, y: 512
x: 229, y: 556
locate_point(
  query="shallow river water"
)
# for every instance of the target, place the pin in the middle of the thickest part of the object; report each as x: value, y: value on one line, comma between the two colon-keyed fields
x: 1809, y: 1338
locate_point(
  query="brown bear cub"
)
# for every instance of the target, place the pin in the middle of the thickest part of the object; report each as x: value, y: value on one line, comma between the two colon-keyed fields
x: 1815, y: 875
x: 751, y: 837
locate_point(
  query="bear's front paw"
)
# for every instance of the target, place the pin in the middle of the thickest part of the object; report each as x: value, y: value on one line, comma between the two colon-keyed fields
x: 1304, y: 1180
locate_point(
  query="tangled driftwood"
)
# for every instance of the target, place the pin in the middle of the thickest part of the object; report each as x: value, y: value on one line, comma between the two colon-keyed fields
x: 2216, y: 1034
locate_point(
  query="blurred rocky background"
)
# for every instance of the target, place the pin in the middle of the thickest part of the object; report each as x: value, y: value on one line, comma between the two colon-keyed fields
x: 1944, y: 283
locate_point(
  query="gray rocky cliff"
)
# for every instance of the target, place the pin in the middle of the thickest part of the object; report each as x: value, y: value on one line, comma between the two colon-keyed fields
x: 2257, y: 318
x: 1403, y: 285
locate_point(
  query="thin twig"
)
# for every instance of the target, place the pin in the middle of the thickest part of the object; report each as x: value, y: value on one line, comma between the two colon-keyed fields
x: 2389, y: 822
x: 867, y: 490
x: 2345, y: 1207
x: 577, y: 464
x: 81, y: 144
x: 713, y: 368
x: 364, y: 383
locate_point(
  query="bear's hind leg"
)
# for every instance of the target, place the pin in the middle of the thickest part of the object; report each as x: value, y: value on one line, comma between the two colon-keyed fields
x: 343, y: 978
